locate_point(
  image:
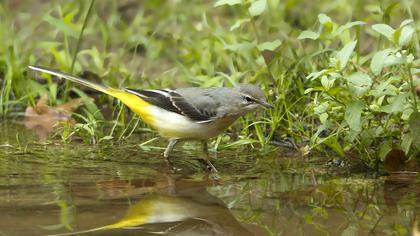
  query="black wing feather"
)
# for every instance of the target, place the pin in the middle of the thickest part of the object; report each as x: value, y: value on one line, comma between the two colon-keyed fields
x: 186, y: 108
x: 171, y: 101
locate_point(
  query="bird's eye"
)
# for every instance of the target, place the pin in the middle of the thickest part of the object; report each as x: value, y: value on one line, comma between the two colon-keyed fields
x: 248, y: 99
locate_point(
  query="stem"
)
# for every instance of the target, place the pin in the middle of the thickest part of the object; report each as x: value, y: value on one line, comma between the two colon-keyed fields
x: 413, y: 88
x: 79, y: 42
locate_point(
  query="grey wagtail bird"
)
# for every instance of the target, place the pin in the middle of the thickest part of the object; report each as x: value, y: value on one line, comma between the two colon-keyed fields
x: 184, y: 113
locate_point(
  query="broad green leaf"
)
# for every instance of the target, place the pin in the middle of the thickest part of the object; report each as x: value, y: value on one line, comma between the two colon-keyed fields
x: 382, y: 89
x: 270, y: 46
x: 238, y: 24
x: 333, y: 143
x: 344, y: 54
x: 315, y: 75
x: 414, y: 128
x: 257, y: 7
x: 384, y: 149
x: 227, y: 2
x: 392, y: 59
x: 406, y: 141
x: 375, y: 9
x: 385, y: 30
x: 60, y: 25
x: 377, y: 63
x: 406, y: 35
x: 323, y: 117
x: 240, y: 46
x: 406, y: 22
x: 415, y: 71
x: 353, y: 115
x: 307, y: 34
x: 321, y: 108
x: 347, y: 26
x: 359, y: 79
x: 397, y: 105
x: 327, y: 82
x: 324, y: 19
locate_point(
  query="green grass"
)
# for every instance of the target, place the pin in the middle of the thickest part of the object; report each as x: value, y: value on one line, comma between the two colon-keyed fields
x: 336, y: 85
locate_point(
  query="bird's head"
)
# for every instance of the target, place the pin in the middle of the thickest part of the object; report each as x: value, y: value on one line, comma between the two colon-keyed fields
x: 251, y: 97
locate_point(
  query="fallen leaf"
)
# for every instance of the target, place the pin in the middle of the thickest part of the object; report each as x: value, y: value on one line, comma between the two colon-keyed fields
x: 43, y: 119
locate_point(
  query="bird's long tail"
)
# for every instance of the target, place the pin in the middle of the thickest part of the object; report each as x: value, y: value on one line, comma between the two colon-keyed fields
x: 135, y: 103
x: 84, y: 82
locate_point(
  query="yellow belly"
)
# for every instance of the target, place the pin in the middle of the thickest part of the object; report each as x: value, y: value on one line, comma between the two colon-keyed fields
x: 137, y: 105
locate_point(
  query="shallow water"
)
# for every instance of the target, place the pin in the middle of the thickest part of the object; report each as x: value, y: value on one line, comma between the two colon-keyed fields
x: 124, y: 190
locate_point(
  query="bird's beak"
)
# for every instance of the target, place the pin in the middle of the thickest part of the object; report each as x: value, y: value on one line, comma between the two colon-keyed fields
x: 265, y: 104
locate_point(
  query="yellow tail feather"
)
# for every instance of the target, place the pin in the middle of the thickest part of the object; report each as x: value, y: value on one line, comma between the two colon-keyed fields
x: 135, y: 103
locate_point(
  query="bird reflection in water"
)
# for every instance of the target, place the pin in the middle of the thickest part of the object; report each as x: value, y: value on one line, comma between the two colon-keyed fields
x: 179, y: 207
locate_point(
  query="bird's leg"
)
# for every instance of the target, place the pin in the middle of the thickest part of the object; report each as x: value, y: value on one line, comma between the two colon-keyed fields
x: 170, y: 147
x: 206, y: 156
x: 168, y: 150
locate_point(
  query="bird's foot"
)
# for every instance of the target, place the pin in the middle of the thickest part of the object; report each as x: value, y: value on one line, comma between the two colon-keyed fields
x: 172, y: 169
x: 207, y: 164
x: 210, y: 167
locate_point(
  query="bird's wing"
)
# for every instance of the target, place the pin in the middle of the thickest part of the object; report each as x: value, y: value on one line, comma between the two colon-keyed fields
x: 173, y: 101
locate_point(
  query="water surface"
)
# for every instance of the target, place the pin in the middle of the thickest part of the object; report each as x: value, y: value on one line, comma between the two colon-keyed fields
x: 121, y: 189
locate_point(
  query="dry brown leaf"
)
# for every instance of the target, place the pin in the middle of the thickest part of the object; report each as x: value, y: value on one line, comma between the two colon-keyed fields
x: 43, y: 119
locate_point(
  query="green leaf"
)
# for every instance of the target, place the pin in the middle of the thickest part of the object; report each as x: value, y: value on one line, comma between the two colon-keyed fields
x: 359, y: 79
x: 333, y: 143
x: 347, y: 26
x: 414, y: 128
x: 406, y: 22
x: 397, y: 105
x: 270, y: 46
x: 257, y: 7
x: 324, y: 19
x: 240, y: 46
x: 353, y: 115
x: 406, y: 35
x: 406, y: 141
x: 327, y: 82
x: 385, y: 30
x: 415, y: 71
x: 60, y: 25
x: 377, y: 63
x: 393, y: 59
x: 227, y: 2
x: 344, y: 54
x: 384, y: 149
x: 238, y: 24
x: 315, y: 75
x: 105, y: 138
x: 307, y: 34
x: 321, y: 108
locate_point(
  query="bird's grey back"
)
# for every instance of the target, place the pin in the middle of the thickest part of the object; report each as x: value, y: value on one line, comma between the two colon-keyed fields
x: 212, y: 102
x: 217, y: 102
